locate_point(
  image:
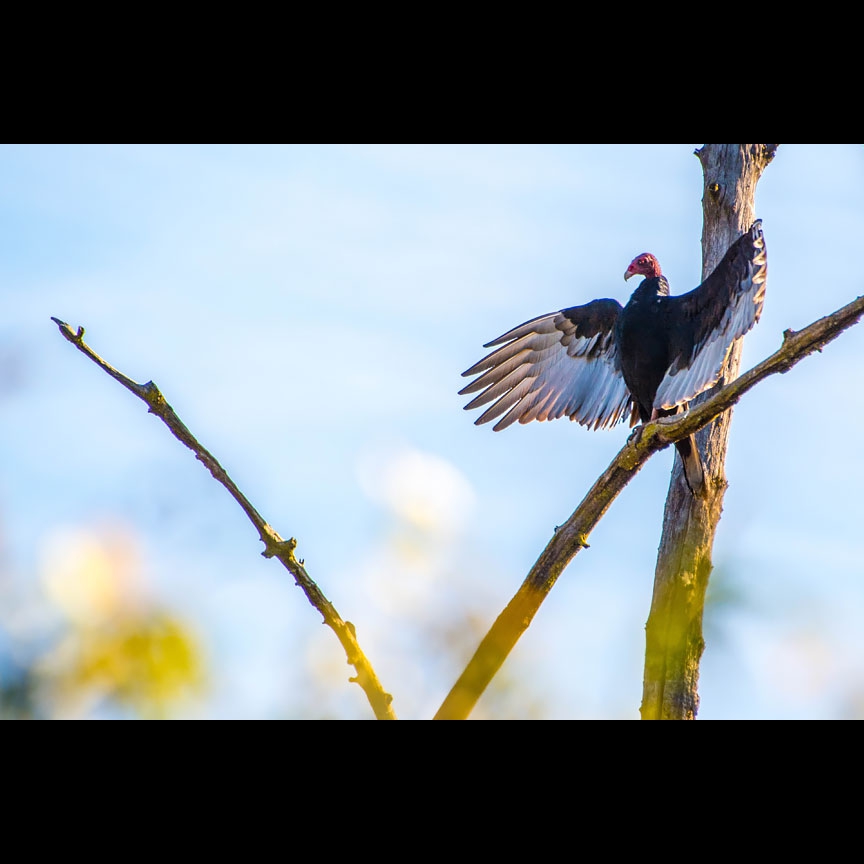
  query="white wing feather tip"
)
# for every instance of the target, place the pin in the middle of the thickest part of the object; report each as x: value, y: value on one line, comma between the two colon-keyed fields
x: 543, y: 369
x: 681, y: 384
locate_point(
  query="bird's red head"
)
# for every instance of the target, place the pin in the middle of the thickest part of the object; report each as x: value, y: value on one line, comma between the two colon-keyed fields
x: 643, y: 265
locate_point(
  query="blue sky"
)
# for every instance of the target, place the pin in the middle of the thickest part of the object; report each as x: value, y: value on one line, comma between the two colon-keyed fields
x: 308, y: 310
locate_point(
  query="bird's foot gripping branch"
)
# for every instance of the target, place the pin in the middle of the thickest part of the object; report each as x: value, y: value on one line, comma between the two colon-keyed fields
x: 603, y: 363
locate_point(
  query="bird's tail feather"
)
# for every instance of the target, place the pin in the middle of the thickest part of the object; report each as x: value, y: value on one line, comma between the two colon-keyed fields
x: 693, y: 470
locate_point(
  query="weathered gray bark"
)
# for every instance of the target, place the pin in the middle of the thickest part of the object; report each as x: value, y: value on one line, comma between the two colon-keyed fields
x: 571, y: 537
x: 674, y: 642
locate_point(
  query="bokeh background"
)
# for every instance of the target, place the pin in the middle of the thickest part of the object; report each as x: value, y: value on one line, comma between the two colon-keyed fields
x: 308, y: 310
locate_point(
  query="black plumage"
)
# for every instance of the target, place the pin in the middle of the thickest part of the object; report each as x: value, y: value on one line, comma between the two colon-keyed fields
x: 600, y: 363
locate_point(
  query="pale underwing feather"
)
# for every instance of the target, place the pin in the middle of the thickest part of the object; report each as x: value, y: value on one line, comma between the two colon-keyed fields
x: 506, y: 402
x: 548, y: 368
x: 743, y: 297
x: 567, y: 364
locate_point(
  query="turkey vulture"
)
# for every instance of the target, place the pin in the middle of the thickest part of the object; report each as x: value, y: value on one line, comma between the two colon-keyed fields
x: 600, y: 363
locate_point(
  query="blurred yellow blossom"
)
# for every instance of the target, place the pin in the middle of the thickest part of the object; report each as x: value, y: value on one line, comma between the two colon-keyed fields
x: 120, y: 645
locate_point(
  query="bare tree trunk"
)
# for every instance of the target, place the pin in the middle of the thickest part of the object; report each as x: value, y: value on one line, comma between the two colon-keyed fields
x: 674, y: 642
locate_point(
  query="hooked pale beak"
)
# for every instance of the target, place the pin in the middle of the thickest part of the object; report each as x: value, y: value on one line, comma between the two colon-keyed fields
x: 628, y: 273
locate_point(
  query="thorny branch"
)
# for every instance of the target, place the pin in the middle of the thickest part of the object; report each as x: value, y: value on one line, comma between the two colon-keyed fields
x: 274, y: 545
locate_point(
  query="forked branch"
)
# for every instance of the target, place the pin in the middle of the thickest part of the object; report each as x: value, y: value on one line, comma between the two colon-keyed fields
x: 572, y: 536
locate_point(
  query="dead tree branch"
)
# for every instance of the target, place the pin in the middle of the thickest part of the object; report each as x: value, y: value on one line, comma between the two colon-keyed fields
x: 673, y: 635
x: 573, y: 535
x: 274, y: 545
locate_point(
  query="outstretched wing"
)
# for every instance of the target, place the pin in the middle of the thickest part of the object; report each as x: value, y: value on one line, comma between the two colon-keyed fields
x: 703, y: 323
x: 557, y: 365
